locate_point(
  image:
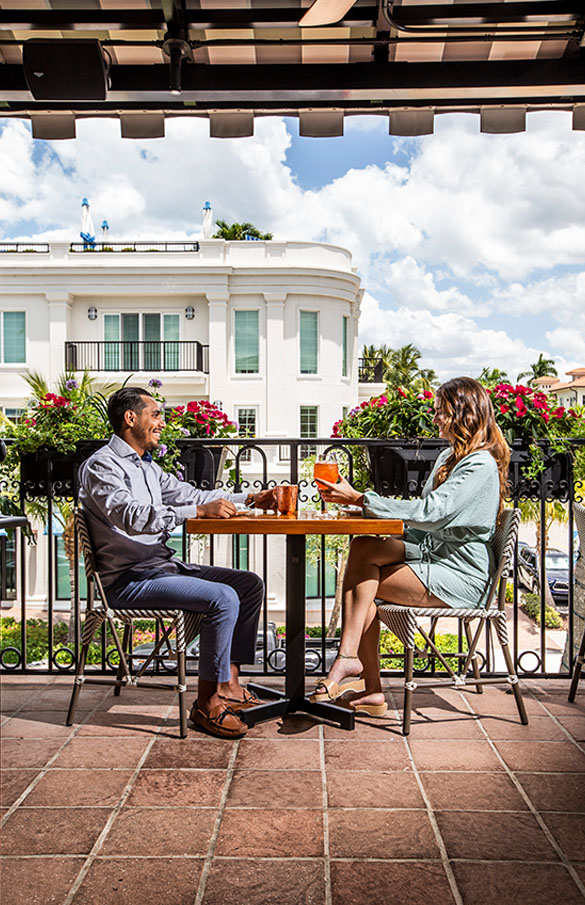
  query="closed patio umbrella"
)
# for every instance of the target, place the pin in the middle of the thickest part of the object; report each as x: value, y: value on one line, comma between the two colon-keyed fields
x: 207, y: 221
x: 87, y: 228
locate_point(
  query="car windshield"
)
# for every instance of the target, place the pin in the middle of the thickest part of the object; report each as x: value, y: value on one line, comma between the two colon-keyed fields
x: 557, y: 561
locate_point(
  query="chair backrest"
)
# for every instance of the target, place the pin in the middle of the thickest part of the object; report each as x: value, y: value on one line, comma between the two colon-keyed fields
x: 85, y: 542
x: 503, y: 544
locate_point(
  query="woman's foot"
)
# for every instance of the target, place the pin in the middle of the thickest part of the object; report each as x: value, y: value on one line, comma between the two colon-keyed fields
x: 343, y: 667
x: 343, y: 677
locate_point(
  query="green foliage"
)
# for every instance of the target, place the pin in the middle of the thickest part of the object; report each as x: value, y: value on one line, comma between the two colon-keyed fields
x: 446, y: 643
x: 544, y: 367
x: 400, y: 367
x: 58, y: 420
x: 405, y: 414
x: 531, y: 606
x: 238, y: 231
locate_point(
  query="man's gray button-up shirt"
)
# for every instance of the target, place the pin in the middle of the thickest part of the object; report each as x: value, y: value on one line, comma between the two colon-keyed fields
x: 132, y: 505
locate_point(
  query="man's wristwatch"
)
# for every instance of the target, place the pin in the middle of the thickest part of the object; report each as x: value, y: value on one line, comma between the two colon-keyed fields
x: 250, y: 502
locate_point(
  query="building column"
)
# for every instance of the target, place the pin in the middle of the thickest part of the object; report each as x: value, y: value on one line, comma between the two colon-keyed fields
x: 59, y: 304
x: 277, y: 411
x: 219, y: 369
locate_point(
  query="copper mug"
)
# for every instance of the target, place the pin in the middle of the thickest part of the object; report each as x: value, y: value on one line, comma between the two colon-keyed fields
x: 286, y: 498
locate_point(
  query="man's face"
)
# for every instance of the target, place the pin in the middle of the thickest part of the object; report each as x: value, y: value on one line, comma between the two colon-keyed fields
x: 146, y: 425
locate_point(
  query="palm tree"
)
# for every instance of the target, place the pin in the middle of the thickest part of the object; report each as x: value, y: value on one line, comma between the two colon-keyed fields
x: 376, y: 363
x: 426, y: 379
x: 238, y: 231
x: 544, y: 367
x: 490, y: 377
x: 404, y: 367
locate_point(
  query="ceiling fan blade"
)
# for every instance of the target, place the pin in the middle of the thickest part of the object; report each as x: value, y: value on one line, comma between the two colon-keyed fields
x: 325, y: 12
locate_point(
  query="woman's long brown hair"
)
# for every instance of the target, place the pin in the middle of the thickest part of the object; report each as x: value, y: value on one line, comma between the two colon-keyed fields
x: 467, y: 411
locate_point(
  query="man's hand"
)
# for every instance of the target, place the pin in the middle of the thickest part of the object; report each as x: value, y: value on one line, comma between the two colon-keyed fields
x: 216, y: 509
x: 266, y: 499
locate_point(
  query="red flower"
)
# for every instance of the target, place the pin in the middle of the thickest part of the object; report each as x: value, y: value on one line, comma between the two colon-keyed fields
x: 427, y: 394
x: 504, y: 409
x: 192, y: 406
x: 402, y: 392
x: 558, y: 413
x: 545, y: 415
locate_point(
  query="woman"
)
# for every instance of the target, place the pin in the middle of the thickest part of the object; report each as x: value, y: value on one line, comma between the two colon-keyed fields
x: 445, y: 558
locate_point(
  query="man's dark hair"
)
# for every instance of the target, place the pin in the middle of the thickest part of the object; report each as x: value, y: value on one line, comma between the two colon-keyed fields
x: 124, y: 400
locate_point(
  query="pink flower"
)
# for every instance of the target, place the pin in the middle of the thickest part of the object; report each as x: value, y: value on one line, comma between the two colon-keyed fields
x: 427, y: 394
x: 545, y: 415
x: 558, y: 413
x: 504, y: 409
x: 192, y: 406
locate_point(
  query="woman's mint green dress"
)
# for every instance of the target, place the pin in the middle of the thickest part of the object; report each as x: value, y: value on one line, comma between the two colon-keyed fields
x: 449, y: 529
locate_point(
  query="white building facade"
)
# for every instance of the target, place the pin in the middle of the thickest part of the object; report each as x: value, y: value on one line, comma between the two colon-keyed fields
x: 269, y: 330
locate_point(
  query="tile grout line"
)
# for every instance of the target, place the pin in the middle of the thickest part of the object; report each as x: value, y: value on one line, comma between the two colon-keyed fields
x: 432, y: 819
x: 44, y: 770
x: 215, y: 834
x: 104, y: 833
x: 556, y: 720
x: 325, y: 811
x: 533, y: 810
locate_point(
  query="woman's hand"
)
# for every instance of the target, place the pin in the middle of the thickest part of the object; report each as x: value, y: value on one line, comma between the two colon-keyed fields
x: 342, y: 492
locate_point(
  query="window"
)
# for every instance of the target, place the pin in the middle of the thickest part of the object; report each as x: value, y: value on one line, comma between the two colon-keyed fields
x: 309, y: 341
x: 12, y: 337
x: 247, y: 342
x: 240, y: 551
x: 8, y: 565
x: 308, y: 428
x: 344, y: 411
x: 14, y: 414
x: 344, y: 361
x: 313, y: 579
x: 246, y: 418
x: 159, y: 334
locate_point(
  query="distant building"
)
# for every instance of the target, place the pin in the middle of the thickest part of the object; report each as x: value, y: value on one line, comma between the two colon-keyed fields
x: 268, y: 330
x: 568, y: 394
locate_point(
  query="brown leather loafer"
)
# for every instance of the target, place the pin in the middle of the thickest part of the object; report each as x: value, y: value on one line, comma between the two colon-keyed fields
x: 220, y: 721
x: 249, y: 700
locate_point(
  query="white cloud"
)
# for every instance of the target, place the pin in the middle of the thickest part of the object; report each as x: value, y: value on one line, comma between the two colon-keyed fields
x: 450, y: 343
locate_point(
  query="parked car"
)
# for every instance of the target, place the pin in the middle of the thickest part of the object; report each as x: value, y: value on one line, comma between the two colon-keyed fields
x: 556, y: 565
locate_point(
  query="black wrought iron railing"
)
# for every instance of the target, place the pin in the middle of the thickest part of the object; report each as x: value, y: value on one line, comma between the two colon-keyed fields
x: 544, y: 648
x: 25, y: 248
x: 118, y: 247
x: 371, y: 370
x: 133, y: 356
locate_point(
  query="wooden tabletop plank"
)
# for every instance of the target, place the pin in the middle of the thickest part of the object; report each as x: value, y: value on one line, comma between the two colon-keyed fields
x: 309, y: 523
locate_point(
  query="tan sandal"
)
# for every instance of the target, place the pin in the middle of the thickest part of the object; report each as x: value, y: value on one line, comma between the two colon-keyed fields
x: 334, y: 690
x: 377, y: 710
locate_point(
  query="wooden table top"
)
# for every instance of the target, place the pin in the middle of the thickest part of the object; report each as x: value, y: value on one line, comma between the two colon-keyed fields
x: 304, y: 522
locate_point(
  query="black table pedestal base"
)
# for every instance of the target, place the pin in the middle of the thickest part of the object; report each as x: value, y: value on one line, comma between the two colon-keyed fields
x: 281, y: 705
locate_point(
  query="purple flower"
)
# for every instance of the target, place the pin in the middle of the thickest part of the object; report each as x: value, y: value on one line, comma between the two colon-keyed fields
x: 161, y: 451
x: 185, y: 431
x: 71, y: 384
x: 155, y: 382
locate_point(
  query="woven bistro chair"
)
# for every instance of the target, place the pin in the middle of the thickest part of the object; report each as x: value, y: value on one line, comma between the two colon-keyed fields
x: 98, y: 612
x: 579, y: 598
x: 404, y: 622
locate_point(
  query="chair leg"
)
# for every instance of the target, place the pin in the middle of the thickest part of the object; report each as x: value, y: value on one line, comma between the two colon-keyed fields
x: 515, y: 683
x: 77, y: 684
x: 474, y: 663
x: 182, y: 695
x: 408, y: 689
x: 125, y: 647
x: 577, y: 670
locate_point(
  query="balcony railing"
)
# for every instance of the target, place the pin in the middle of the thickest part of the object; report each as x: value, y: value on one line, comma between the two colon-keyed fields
x: 119, y: 247
x: 538, y: 651
x: 25, y: 248
x: 371, y: 370
x: 134, y: 356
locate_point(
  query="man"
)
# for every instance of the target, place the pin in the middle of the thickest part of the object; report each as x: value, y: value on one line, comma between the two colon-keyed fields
x: 132, y: 505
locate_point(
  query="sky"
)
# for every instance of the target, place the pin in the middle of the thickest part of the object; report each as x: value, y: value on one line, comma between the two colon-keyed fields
x: 469, y: 246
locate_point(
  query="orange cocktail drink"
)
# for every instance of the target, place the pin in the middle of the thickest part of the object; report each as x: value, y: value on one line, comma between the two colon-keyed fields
x: 328, y: 470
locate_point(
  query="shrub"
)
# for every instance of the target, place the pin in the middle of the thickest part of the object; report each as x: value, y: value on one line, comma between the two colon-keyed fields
x: 531, y: 606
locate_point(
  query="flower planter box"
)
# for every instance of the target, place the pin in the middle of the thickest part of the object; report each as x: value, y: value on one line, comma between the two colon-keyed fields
x: 552, y: 483
x: 402, y: 469
x: 35, y: 468
x: 203, y: 464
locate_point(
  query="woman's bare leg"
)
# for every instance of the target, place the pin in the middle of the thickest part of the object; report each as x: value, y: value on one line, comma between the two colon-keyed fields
x: 367, y: 577
x: 367, y: 556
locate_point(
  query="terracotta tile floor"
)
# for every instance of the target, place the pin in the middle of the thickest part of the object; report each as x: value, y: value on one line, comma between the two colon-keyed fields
x: 471, y: 809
